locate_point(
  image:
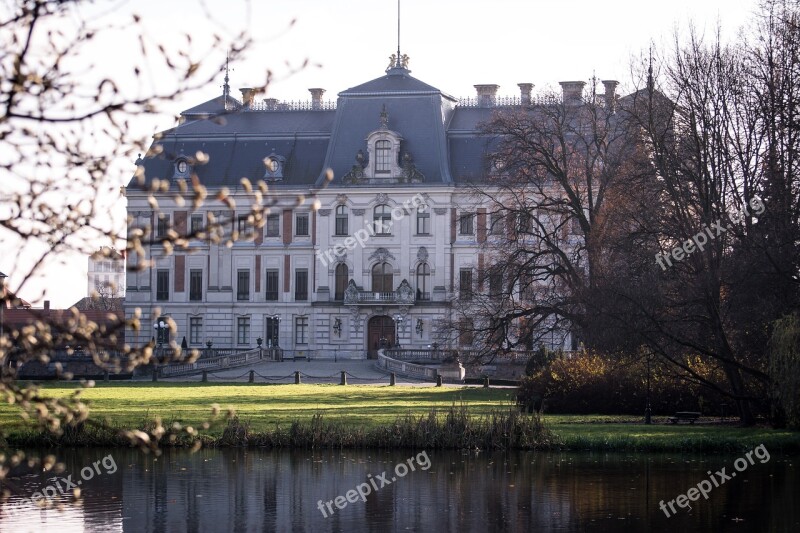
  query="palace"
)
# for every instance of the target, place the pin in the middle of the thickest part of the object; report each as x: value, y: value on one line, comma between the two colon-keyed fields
x: 369, y: 232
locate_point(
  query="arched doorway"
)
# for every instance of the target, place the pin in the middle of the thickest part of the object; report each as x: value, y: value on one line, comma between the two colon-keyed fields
x: 380, y: 333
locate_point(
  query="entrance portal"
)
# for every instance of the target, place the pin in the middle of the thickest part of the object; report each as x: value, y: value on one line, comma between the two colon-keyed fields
x: 380, y: 334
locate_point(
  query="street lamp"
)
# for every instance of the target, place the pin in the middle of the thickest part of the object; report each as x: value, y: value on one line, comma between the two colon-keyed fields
x: 2, y: 300
x: 161, y: 328
x: 647, y: 419
x: 398, y: 322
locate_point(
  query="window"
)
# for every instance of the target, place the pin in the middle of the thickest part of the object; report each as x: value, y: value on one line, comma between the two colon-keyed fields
x: 272, y: 286
x: 163, y: 225
x: 466, y: 328
x: 465, y: 226
x: 465, y: 283
x: 195, y: 285
x: 301, y: 225
x: 341, y: 220
x: 272, y: 331
x: 196, y: 224
x: 382, y: 219
x: 301, y: 285
x: 340, y: 281
x: 244, y: 227
x: 423, y: 220
x: 382, y: 278
x: 525, y: 223
x: 243, y: 285
x: 181, y: 167
x: 273, y: 225
x: 301, y: 330
x: 195, y: 330
x: 423, y: 281
x: 162, y: 285
x: 495, y: 284
x: 495, y: 224
x: 243, y: 330
x: 383, y: 157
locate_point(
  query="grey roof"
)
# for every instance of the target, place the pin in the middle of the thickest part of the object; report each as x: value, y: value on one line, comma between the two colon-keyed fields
x: 444, y: 140
x: 396, y: 80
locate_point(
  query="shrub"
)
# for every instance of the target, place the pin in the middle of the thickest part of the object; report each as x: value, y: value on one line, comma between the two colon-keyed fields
x: 784, y: 370
x: 591, y: 383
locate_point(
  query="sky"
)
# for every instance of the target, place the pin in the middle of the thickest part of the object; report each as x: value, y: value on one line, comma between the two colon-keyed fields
x: 452, y: 45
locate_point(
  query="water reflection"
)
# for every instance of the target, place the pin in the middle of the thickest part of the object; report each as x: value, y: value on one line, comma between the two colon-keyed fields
x: 254, y: 490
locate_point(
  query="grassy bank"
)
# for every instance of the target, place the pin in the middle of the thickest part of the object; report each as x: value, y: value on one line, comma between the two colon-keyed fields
x: 375, y: 416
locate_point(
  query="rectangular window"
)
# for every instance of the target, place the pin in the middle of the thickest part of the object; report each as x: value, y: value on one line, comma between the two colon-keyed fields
x: 244, y: 228
x: 341, y: 222
x: 163, y: 225
x: 162, y: 285
x: 465, y: 283
x: 423, y: 222
x: 525, y: 223
x: 301, y: 285
x: 273, y: 225
x: 466, y: 329
x: 495, y: 284
x: 195, y: 285
x: 301, y: 330
x: 383, y: 157
x: 495, y: 224
x: 195, y: 330
x: 301, y: 225
x: 243, y: 330
x: 243, y: 285
x: 272, y: 286
x: 196, y: 224
x: 465, y: 225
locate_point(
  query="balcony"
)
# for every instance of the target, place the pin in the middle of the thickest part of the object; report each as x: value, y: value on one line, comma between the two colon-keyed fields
x: 404, y: 295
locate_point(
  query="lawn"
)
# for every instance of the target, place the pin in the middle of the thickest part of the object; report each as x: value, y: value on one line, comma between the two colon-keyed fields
x: 368, y: 406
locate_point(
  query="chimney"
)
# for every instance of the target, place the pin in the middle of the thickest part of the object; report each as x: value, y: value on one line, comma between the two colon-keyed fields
x: 572, y: 91
x: 271, y: 103
x: 525, y: 93
x: 611, y: 93
x: 47, y: 307
x: 487, y: 95
x: 248, y: 94
x: 316, y: 97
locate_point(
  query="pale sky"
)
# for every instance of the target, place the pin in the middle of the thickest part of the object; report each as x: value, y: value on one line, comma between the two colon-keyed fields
x: 453, y: 45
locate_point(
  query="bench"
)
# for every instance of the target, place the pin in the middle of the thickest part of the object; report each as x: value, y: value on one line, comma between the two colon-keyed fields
x: 689, y: 416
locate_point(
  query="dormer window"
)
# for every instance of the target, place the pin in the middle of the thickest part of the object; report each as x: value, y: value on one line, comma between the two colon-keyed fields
x: 383, y: 157
x: 273, y: 165
x: 181, y: 168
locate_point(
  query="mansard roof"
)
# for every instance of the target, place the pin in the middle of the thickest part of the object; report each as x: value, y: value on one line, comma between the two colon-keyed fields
x: 225, y: 140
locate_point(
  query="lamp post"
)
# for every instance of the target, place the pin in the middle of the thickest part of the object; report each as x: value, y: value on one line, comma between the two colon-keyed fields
x: 2, y: 300
x: 398, y: 321
x: 160, y: 328
x: 647, y: 419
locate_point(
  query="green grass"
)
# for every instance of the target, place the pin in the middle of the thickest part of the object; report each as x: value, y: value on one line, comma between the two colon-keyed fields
x: 360, y: 408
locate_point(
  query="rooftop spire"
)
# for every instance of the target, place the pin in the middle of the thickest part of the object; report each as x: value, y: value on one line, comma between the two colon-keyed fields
x: 226, y: 88
x: 397, y: 60
x: 650, y: 83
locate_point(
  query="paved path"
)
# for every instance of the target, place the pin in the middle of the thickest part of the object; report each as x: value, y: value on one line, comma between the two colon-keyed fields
x: 358, y: 372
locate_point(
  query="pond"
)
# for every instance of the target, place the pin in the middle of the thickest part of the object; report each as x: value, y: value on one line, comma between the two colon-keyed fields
x: 354, y: 490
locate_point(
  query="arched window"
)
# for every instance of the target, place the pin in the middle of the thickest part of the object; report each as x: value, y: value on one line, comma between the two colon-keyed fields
x: 341, y: 220
x: 340, y: 281
x: 383, y: 157
x: 382, y: 278
x: 382, y: 218
x: 423, y: 281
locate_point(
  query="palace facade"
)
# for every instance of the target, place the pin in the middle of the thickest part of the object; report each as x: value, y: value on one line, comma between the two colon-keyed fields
x: 369, y: 232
